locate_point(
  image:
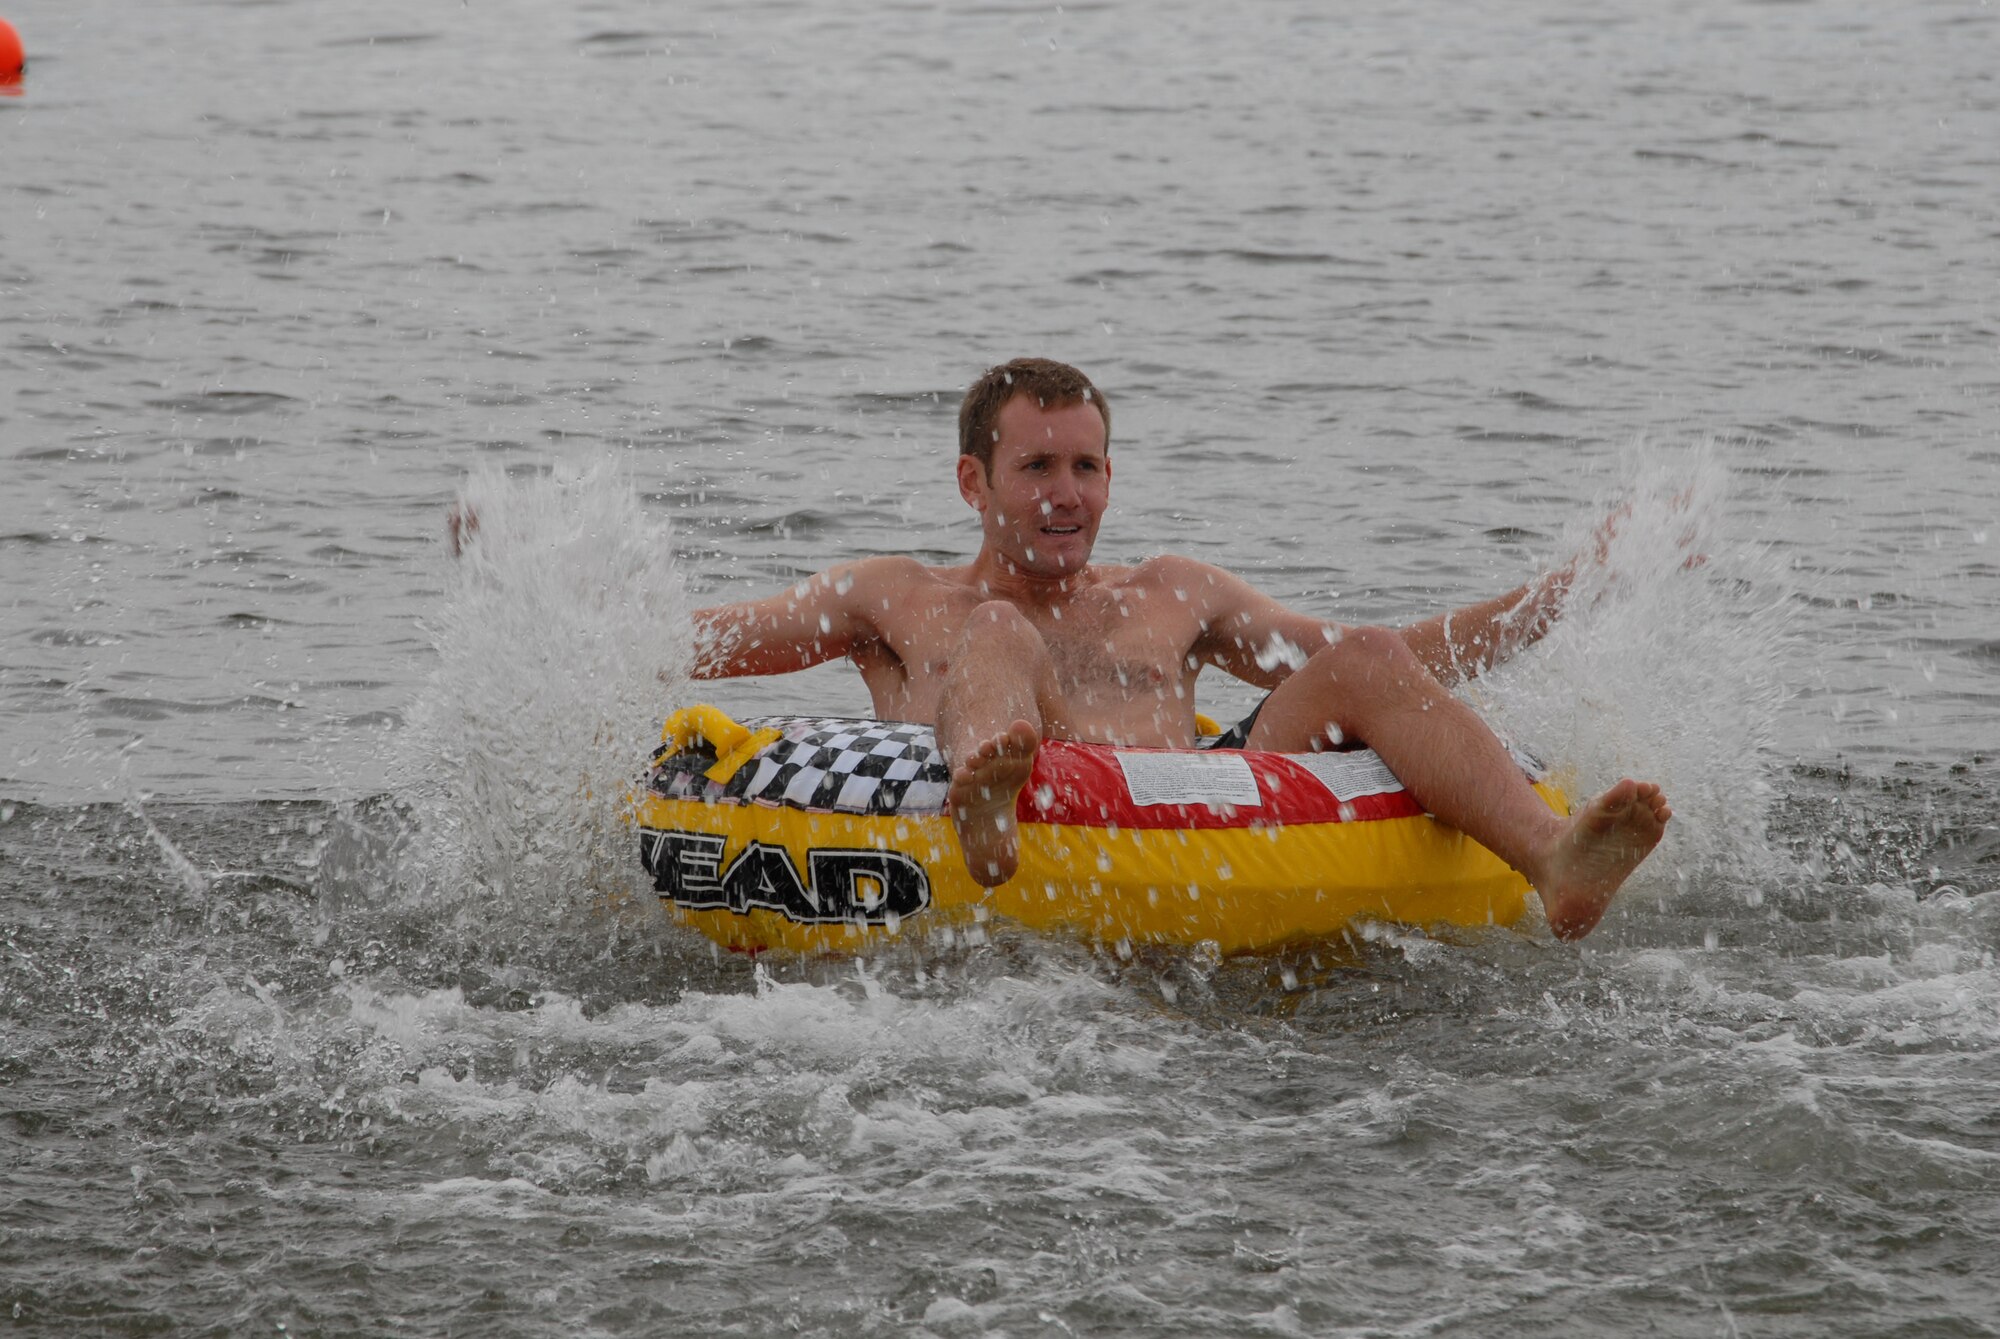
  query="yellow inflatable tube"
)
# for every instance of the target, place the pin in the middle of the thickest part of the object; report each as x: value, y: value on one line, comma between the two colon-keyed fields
x: 820, y: 834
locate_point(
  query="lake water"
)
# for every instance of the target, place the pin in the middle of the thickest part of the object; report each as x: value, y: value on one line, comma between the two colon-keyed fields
x: 331, y: 997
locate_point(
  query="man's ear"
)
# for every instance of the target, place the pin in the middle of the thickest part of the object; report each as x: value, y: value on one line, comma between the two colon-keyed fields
x: 972, y: 482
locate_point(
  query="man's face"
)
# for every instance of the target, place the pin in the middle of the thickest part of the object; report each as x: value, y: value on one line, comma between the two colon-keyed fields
x: 1051, y: 482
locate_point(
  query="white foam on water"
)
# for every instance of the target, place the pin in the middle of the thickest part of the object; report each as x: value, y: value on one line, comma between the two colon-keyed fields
x: 1790, y: 1047
x: 1670, y: 664
x: 790, y: 1090
x: 561, y: 640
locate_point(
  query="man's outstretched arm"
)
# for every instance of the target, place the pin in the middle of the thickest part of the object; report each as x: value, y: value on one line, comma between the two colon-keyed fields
x: 816, y: 620
x: 807, y: 624
x: 1467, y: 642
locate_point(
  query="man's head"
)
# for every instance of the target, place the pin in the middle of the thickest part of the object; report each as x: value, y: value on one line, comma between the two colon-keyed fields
x: 1042, y: 481
x: 1051, y: 384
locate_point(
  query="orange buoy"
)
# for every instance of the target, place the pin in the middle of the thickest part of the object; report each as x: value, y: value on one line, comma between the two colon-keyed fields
x: 12, y: 57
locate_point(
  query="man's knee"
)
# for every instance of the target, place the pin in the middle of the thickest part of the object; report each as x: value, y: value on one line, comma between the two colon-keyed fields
x: 997, y: 623
x: 999, y: 634
x: 1365, y: 652
x: 999, y: 651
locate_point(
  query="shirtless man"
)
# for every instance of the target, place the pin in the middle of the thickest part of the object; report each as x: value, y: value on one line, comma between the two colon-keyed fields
x: 1031, y: 640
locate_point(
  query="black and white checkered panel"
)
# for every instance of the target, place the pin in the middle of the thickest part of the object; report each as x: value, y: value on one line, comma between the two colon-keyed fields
x: 829, y: 764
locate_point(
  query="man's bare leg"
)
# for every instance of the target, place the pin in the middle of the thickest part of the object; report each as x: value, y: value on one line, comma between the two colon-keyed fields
x: 1369, y: 687
x: 998, y: 700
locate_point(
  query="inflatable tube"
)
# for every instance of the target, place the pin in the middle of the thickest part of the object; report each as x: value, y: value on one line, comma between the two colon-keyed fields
x: 818, y: 834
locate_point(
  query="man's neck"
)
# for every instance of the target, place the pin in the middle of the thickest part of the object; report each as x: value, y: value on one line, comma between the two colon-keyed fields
x: 996, y: 578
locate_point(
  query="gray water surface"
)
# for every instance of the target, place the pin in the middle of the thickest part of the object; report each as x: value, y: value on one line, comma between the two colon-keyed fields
x: 331, y: 998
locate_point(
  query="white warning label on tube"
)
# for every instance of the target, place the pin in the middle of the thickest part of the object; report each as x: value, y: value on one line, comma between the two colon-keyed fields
x: 1350, y: 775
x: 1190, y: 778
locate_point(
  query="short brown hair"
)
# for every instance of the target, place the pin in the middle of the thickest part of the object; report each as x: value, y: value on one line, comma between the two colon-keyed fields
x: 1049, y: 381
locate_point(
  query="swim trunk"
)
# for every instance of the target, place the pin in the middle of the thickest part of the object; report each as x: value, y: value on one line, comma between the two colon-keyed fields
x: 1237, y: 736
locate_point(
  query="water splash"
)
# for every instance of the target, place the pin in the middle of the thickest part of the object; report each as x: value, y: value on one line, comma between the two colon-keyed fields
x: 562, y: 635
x: 183, y: 870
x: 1670, y: 665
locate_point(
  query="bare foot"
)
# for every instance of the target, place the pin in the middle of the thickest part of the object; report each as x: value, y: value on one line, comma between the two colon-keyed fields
x: 981, y: 802
x: 1596, y: 850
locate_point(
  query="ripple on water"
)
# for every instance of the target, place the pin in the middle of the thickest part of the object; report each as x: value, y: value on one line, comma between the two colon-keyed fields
x: 242, y: 1046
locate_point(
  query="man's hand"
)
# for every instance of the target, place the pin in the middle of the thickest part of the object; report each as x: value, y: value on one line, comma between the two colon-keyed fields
x: 1598, y: 551
x: 461, y: 523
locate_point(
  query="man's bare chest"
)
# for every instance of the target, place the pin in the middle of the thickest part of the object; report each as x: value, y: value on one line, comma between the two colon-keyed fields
x: 1098, y: 645
x: 1113, y: 651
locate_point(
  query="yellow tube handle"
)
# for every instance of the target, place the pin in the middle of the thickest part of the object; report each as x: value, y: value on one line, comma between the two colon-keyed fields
x: 734, y: 744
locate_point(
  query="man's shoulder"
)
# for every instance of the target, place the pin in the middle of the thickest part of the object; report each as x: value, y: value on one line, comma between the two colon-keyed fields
x: 1180, y: 564
x: 893, y: 570
x: 1180, y: 573
x: 896, y: 584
